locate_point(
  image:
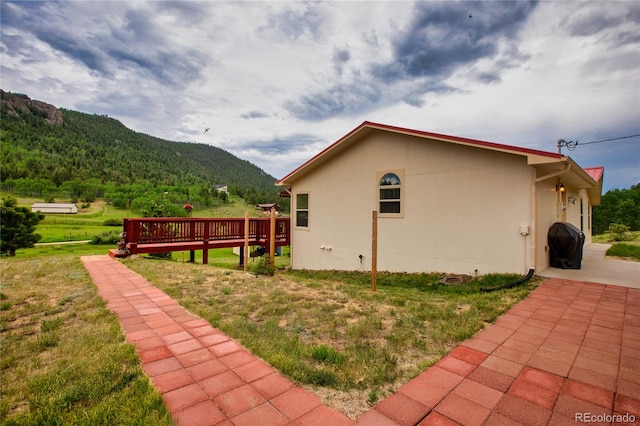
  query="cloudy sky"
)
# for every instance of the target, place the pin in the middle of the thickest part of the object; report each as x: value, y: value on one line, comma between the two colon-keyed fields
x: 278, y: 81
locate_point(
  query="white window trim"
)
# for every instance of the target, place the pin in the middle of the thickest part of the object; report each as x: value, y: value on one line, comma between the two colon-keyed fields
x: 308, y: 209
x: 403, y: 190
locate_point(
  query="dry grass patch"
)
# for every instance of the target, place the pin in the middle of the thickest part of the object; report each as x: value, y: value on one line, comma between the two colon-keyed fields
x: 328, y: 331
x: 63, y: 357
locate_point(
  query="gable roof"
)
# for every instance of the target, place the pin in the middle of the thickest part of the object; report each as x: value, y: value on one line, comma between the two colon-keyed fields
x: 533, y: 156
x: 595, y: 193
x: 548, y: 164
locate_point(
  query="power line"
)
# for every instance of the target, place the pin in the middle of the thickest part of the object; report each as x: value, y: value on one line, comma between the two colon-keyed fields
x: 607, y: 140
x: 571, y: 145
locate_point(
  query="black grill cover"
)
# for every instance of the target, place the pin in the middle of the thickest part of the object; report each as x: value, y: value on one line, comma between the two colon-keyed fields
x: 565, y: 246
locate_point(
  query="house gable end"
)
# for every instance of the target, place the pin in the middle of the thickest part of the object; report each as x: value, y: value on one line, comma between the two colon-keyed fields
x: 367, y: 127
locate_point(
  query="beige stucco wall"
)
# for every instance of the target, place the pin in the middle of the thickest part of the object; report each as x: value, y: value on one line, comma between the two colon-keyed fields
x: 546, y: 215
x: 463, y: 207
x: 549, y: 209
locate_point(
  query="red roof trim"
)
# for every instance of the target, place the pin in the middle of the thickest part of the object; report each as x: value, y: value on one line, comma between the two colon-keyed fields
x: 466, y: 140
x: 420, y: 133
x: 321, y: 153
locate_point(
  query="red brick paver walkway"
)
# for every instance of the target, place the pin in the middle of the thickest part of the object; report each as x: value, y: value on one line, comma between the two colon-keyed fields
x: 570, y: 349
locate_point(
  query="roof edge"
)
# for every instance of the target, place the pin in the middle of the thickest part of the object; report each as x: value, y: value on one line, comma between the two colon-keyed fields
x: 419, y: 133
x: 320, y: 154
x: 469, y: 141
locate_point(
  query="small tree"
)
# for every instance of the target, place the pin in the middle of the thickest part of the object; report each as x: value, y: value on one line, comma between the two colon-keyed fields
x: 153, y: 210
x: 620, y: 231
x: 156, y: 210
x: 17, y: 227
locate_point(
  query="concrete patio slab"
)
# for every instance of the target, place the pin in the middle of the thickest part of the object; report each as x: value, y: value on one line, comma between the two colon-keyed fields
x: 596, y: 268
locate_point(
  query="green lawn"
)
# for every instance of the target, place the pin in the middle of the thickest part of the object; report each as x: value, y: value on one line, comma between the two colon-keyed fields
x: 628, y: 249
x: 625, y: 250
x: 90, y: 222
x: 80, y: 249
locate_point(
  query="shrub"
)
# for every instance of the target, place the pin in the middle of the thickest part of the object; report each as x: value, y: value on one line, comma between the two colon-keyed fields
x: 624, y: 250
x: 112, y: 222
x: 620, y: 231
x: 262, y: 267
x: 106, y: 238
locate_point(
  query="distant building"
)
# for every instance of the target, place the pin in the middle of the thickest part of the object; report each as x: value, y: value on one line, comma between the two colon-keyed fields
x: 268, y: 207
x: 221, y: 188
x: 54, y: 208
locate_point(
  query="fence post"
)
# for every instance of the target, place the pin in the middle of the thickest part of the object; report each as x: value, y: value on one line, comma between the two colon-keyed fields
x: 192, y: 237
x: 272, y: 237
x: 205, y: 241
x: 374, y: 251
x: 246, y: 240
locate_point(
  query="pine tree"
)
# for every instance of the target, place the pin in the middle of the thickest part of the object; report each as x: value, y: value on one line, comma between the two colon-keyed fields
x: 17, y: 227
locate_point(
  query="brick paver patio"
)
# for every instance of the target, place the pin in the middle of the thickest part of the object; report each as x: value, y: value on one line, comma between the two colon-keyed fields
x: 568, y: 351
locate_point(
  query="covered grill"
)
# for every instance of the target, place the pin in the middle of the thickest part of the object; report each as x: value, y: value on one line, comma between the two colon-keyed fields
x: 565, y: 246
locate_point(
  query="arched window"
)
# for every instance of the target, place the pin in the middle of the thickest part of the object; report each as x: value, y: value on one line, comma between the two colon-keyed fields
x: 390, y: 194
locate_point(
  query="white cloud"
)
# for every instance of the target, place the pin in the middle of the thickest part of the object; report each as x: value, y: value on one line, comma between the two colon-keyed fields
x: 278, y: 81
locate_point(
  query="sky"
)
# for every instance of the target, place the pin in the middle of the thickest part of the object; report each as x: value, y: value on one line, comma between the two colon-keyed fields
x: 275, y: 82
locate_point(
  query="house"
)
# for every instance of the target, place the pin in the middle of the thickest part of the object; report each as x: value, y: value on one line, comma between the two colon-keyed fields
x: 443, y: 203
x: 54, y: 208
x: 267, y: 207
x: 221, y: 188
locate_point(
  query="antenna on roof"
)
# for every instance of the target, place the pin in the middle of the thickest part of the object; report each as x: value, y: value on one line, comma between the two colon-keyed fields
x: 571, y: 145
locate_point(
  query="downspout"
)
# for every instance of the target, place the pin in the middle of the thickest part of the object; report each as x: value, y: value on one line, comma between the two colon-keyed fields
x: 534, y: 225
x: 288, y: 189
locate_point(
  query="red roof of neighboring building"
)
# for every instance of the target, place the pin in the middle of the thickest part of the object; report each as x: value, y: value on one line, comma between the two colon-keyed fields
x: 595, y: 172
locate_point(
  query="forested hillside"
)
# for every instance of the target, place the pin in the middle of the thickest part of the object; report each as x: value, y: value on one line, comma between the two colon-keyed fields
x: 54, y: 153
x: 85, y: 146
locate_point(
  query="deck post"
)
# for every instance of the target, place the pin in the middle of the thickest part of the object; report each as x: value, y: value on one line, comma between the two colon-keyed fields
x: 374, y: 251
x: 205, y: 242
x: 192, y: 233
x: 272, y: 237
x: 246, y: 241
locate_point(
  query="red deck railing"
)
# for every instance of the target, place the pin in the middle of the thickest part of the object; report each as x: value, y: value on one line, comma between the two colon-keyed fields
x: 153, y: 235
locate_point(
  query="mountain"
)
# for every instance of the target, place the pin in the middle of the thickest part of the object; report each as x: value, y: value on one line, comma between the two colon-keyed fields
x: 42, y: 141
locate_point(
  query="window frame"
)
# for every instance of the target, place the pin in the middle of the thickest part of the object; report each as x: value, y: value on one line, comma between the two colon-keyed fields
x: 402, y: 187
x: 298, y: 209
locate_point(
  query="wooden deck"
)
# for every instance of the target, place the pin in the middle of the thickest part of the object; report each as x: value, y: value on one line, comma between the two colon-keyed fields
x: 161, y: 235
